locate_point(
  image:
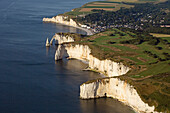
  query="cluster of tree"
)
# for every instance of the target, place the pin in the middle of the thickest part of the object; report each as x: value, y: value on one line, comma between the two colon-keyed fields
x: 167, y: 56
x: 111, y: 42
x: 154, y: 41
x: 133, y: 41
x: 147, y: 17
x: 141, y: 37
x: 151, y: 54
x: 121, y: 34
x: 158, y: 30
x: 158, y: 48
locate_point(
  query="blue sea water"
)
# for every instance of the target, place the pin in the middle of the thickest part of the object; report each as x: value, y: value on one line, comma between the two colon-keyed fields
x: 30, y: 80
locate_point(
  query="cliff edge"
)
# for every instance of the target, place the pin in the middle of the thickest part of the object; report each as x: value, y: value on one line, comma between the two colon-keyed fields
x: 126, y: 79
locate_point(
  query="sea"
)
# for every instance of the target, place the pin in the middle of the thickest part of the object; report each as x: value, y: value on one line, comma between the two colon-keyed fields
x: 31, y: 81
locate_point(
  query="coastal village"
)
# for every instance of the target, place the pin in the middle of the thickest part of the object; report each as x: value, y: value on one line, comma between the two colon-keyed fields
x: 99, y: 28
x: 96, y: 29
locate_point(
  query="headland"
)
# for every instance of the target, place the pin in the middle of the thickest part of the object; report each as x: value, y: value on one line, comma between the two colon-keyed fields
x: 135, y: 63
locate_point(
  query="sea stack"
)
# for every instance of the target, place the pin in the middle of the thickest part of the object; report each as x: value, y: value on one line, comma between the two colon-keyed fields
x: 47, y: 43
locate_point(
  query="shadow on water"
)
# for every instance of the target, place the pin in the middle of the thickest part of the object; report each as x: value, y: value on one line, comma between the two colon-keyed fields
x: 77, y: 77
x: 104, y: 105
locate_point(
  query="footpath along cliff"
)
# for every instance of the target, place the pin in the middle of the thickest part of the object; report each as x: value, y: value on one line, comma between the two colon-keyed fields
x: 106, y: 87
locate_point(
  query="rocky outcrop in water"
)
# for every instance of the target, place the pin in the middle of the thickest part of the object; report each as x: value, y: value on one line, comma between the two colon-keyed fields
x: 47, y: 43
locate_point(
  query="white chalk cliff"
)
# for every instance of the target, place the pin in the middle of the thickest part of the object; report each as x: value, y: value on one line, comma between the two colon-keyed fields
x: 61, y: 20
x: 115, y: 88
x: 83, y: 52
x: 61, y: 38
x: 109, y: 87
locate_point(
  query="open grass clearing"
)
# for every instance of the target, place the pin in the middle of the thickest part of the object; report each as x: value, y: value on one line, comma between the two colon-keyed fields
x: 160, y: 35
x: 138, y: 1
x: 90, y: 9
x: 99, y: 7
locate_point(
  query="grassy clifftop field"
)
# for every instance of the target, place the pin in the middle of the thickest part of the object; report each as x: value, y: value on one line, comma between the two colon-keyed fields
x: 98, y: 5
x: 147, y: 56
x: 142, y: 52
x: 108, y: 5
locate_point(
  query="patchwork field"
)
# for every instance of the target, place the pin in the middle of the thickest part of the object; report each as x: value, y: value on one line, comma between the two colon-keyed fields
x: 104, y: 5
x: 99, y: 5
x: 109, y: 5
x: 138, y: 1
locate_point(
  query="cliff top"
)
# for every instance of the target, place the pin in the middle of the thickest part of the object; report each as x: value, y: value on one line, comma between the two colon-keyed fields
x: 147, y: 56
x: 75, y: 36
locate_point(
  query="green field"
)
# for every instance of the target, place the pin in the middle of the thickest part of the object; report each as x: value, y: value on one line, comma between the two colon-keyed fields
x: 105, y: 5
x: 147, y: 56
x: 108, y: 2
x: 108, y: 5
x: 138, y: 1
x: 99, y: 7
x: 131, y: 49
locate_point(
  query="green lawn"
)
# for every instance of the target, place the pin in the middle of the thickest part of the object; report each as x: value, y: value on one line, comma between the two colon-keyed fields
x: 107, y: 45
x: 99, y: 7
x: 149, y: 75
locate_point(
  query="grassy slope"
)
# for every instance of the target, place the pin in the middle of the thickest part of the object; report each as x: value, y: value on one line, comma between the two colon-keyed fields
x: 130, y: 54
x: 139, y: 1
x: 163, y: 36
x: 150, y: 76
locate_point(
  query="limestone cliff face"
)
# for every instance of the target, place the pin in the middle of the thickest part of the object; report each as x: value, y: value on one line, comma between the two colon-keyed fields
x: 61, y: 38
x: 109, y: 87
x: 108, y: 67
x: 115, y: 88
x: 61, y: 20
x: 60, y: 52
x: 83, y: 52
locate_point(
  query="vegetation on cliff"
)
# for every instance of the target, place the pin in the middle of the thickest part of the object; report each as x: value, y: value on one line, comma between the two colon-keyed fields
x: 147, y: 56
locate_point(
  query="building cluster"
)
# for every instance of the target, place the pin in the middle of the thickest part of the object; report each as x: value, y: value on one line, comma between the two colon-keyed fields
x: 140, y: 26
